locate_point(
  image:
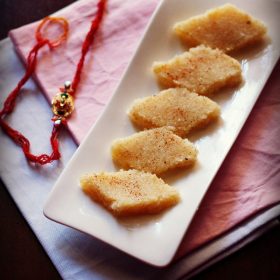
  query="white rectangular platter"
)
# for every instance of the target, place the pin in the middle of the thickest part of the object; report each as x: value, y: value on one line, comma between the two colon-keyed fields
x: 155, y: 239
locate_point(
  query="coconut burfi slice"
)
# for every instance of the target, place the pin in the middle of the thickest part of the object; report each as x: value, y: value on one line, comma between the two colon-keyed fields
x: 177, y: 107
x: 156, y: 150
x: 225, y: 27
x: 131, y: 192
x: 202, y: 70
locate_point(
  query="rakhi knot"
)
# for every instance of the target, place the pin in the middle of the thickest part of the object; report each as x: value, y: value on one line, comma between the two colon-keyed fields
x: 63, y: 104
x: 57, y: 41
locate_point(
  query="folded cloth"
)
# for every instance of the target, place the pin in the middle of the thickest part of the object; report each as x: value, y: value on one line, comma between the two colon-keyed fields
x: 114, y: 46
x: 247, y: 181
x: 249, y: 178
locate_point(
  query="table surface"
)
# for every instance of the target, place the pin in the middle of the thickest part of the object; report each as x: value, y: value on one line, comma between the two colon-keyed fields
x: 22, y: 256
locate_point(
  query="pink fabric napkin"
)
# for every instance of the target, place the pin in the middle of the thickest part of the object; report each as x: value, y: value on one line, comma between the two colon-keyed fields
x: 249, y: 178
x: 114, y: 46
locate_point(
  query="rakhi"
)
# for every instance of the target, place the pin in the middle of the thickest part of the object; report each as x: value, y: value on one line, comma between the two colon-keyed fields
x: 63, y: 102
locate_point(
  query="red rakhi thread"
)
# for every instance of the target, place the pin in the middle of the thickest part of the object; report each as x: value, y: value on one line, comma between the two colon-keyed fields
x: 88, y: 41
x: 9, y: 103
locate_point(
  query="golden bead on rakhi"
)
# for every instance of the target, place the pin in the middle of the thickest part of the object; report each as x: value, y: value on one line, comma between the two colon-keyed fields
x: 63, y: 103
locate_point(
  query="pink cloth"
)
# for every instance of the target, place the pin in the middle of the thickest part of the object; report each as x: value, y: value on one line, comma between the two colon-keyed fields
x: 114, y: 46
x: 249, y: 178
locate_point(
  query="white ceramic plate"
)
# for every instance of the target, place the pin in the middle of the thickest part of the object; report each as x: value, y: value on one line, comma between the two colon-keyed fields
x: 155, y: 239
